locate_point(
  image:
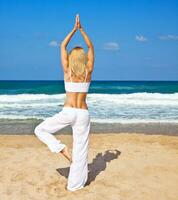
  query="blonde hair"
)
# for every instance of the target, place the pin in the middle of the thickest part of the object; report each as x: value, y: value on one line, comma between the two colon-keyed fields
x: 77, y: 60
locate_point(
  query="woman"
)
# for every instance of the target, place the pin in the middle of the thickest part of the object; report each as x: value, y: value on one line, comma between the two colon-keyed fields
x: 77, y: 67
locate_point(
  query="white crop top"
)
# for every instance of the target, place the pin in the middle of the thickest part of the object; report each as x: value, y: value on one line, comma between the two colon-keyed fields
x: 77, y: 86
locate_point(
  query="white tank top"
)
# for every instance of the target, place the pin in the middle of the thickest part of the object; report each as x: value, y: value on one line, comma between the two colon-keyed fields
x: 77, y: 86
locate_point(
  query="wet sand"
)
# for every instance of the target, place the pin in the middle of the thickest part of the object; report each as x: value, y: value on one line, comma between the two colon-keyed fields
x: 27, y: 126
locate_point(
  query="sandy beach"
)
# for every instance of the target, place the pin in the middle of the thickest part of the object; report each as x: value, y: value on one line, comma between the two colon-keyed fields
x: 122, y: 167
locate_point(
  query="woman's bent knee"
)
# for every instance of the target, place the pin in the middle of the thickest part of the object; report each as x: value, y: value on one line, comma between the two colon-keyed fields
x: 37, y: 130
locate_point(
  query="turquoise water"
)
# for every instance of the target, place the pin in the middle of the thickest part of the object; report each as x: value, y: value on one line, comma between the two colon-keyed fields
x: 100, y: 87
x: 108, y: 101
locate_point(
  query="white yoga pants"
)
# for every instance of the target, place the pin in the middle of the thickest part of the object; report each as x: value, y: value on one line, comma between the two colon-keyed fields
x: 79, y: 119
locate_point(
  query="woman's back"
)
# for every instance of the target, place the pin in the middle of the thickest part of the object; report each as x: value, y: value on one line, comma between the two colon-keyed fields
x: 76, y: 88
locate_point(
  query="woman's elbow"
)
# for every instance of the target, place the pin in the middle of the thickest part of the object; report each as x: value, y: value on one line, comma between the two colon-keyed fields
x: 90, y: 46
x: 63, y: 45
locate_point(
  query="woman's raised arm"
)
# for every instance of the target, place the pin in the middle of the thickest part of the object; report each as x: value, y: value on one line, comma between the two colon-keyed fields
x: 64, y: 43
x: 90, y: 53
x: 89, y: 44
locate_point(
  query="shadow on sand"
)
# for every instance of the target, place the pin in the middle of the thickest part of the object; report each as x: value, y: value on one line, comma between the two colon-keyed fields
x: 96, y: 167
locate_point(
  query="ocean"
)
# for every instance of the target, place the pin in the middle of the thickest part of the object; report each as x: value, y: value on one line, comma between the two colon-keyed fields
x: 114, y: 106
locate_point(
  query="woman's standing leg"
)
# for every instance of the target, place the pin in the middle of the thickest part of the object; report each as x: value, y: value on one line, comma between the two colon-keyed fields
x: 78, y: 173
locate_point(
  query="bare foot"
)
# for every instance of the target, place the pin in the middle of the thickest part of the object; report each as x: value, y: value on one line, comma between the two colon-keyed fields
x: 65, y: 152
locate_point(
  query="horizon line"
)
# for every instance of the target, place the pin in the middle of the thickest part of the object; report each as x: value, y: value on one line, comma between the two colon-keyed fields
x: 91, y: 81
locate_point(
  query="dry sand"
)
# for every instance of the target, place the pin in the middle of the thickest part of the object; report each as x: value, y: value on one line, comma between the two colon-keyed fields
x: 142, y: 167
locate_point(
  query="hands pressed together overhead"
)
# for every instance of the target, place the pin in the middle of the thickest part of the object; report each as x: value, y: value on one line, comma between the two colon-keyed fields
x: 77, y: 22
x: 67, y: 39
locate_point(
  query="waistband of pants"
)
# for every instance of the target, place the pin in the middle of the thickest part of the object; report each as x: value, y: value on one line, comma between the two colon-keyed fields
x: 76, y: 109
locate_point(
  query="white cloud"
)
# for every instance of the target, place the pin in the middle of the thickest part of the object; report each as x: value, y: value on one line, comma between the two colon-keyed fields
x: 111, y: 46
x: 168, y: 37
x: 141, y: 38
x: 53, y: 43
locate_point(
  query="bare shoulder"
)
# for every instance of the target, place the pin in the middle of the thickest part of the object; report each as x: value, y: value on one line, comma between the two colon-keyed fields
x: 89, y: 67
x: 64, y: 58
x: 89, y: 74
x: 66, y: 74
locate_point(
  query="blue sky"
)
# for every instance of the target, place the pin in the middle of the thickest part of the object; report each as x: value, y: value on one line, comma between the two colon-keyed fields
x: 133, y: 40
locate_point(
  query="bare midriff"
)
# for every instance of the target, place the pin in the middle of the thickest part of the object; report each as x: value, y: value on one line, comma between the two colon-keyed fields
x: 76, y: 100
